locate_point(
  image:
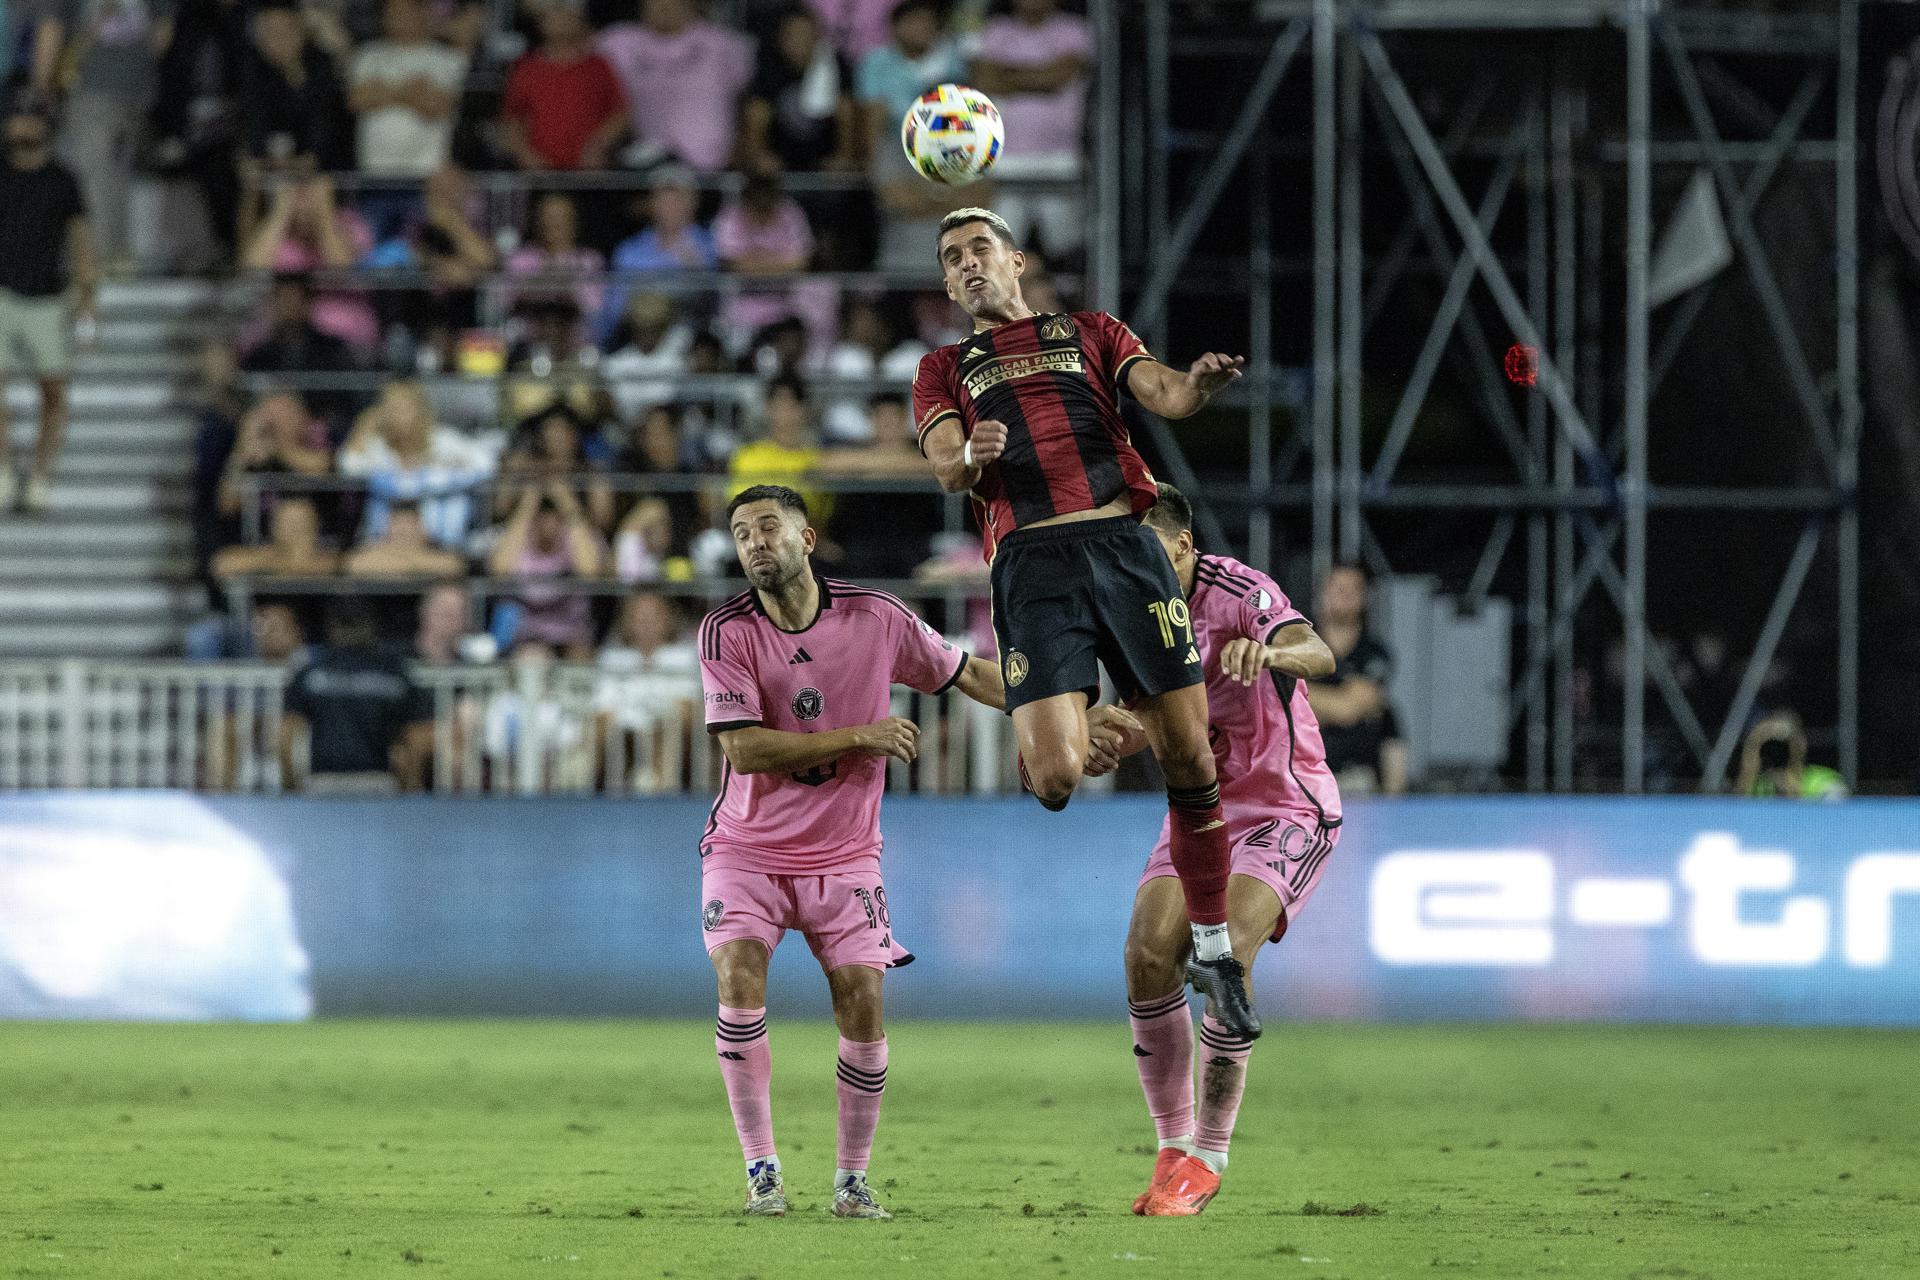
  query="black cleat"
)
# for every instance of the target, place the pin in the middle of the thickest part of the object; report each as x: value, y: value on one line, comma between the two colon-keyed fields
x: 1224, y: 983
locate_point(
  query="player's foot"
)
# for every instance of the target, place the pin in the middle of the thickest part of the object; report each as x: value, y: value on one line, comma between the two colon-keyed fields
x: 1224, y: 983
x: 766, y: 1194
x: 854, y: 1199
x: 1162, y: 1166
x: 1185, y: 1192
x: 1026, y: 784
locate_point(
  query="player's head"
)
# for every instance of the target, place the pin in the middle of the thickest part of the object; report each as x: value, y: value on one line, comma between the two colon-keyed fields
x: 771, y: 534
x: 1171, y: 520
x: 980, y: 262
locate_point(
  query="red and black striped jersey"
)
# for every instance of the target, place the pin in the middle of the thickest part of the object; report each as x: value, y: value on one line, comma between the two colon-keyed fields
x: 1055, y: 381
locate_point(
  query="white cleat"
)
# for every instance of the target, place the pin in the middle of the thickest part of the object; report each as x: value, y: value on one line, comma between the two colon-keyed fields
x: 854, y: 1199
x: 766, y: 1195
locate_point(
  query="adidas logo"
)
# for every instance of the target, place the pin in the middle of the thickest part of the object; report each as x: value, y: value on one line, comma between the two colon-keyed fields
x: 800, y: 657
x: 1222, y: 1062
x: 1193, y: 654
x: 731, y: 1056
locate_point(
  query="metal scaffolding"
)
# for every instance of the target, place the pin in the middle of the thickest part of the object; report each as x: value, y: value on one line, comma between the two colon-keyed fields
x: 1557, y: 137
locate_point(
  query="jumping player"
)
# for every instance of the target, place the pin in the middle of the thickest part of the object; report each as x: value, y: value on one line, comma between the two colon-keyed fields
x: 797, y: 673
x: 1283, y: 817
x: 1025, y: 417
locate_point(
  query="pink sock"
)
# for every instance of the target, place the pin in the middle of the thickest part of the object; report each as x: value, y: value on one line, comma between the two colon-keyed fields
x: 863, y: 1078
x: 746, y: 1067
x: 1223, y: 1077
x: 1163, y: 1051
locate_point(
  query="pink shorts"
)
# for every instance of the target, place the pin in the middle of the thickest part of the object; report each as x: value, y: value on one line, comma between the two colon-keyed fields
x: 1285, y: 851
x: 843, y: 917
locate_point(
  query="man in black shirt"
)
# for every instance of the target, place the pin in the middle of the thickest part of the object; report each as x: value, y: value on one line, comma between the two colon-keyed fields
x: 294, y: 346
x: 47, y: 280
x: 369, y: 727
x: 1357, y: 722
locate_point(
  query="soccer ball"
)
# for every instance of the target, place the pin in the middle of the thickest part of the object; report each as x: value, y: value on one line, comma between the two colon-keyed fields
x: 952, y: 134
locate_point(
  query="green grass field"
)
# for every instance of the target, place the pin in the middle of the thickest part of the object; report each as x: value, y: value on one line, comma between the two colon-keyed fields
x: 604, y: 1149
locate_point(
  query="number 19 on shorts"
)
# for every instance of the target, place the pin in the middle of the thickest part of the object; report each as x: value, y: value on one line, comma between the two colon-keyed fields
x: 1172, y: 615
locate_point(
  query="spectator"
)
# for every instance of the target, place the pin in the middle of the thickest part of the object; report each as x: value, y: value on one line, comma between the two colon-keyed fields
x: 405, y: 454
x: 646, y: 692
x: 856, y: 27
x: 799, y: 113
x: 194, y: 118
x: 404, y: 89
x: 445, y: 634
x: 869, y: 348
x: 673, y: 241
x: 403, y: 550
x: 658, y: 449
x: 909, y: 522
x: 765, y: 233
x: 47, y: 282
x: 1773, y: 762
x: 277, y: 437
x: 445, y: 241
x: 553, y: 246
x: 919, y: 57
x: 550, y: 448
x: 293, y: 343
x: 109, y: 72
x: 221, y: 408
x: 292, y: 550
x: 293, y: 106
x: 276, y: 634
x: 552, y: 364
x: 305, y: 230
x: 787, y: 453
x: 368, y: 727
x: 563, y: 107
x: 1363, y: 744
x: 650, y: 354
x: 37, y: 38
x: 1035, y: 64
x: 547, y: 541
x: 683, y: 77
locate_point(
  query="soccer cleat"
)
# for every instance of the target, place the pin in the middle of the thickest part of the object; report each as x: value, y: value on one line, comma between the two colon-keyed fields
x: 1224, y: 983
x: 1163, y: 1164
x: 766, y: 1193
x: 854, y: 1199
x: 1026, y: 785
x: 1185, y: 1192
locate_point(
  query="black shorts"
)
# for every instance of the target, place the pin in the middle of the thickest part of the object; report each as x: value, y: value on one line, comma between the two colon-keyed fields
x: 1066, y: 595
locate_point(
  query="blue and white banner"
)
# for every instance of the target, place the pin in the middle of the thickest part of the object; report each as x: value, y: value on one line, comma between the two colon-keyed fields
x: 168, y: 906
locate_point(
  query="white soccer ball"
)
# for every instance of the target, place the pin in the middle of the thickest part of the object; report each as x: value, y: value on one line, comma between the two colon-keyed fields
x: 952, y: 134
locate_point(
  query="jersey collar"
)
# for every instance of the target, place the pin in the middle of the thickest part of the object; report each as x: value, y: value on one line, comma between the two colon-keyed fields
x: 826, y: 603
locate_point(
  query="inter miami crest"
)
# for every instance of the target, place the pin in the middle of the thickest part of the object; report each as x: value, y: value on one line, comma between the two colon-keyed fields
x: 714, y: 912
x: 1057, y: 328
x: 808, y: 704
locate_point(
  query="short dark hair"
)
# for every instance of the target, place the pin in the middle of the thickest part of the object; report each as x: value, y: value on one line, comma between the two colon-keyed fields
x: 961, y: 217
x: 906, y: 7
x: 788, y: 499
x: 1171, y: 511
x: 1775, y: 753
x: 788, y: 382
x: 351, y: 625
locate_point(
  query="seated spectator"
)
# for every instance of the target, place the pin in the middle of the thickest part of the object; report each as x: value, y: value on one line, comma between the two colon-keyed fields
x: 551, y: 448
x: 856, y: 27
x: 659, y: 449
x: 643, y: 718
x: 643, y: 546
x: 406, y: 455
x: 909, y: 522
x: 563, y: 107
x: 445, y: 240
x: 292, y: 550
x: 276, y: 633
x: 918, y: 57
x: 799, y: 114
x: 222, y: 405
x: 405, y: 87
x: 277, y: 437
x: 868, y: 349
x: 293, y: 343
x: 109, y: 72
x: 293, y: 107
x: 304, y: 230
x: 683, y: 76
x: 889, y: 450
x: 549, y: 540
x: 765, y: 233
x: 1773, y: 762
x: 787, y: 452
x: 403, y: 550
x: 673, y: 241
x: 1035, y: 63
x: 1364, y: 750
x: 552, y: 364
x: 650, y: 347
x: 445, y: 634
x: 553, y: 246
x: 367, y: 728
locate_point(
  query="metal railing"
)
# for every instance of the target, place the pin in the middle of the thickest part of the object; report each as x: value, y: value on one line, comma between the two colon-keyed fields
x: 522, y: 728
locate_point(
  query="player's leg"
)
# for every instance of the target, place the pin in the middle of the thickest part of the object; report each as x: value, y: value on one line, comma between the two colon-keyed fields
x: 1043, y: 621
x: 1052, y: 738
x: 742, y: 919
x: 1162, y: 1024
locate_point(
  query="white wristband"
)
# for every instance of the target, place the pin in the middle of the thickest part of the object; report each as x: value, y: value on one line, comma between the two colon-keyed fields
x: 966, y: 453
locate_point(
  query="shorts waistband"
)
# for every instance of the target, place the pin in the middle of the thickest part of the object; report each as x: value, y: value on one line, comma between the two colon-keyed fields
x: 1071, y: 531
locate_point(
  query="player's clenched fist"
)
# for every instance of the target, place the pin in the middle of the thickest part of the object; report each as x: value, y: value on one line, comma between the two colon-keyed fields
x: 1243, y: 659
x: 890, y: 737
x: 988, y: 441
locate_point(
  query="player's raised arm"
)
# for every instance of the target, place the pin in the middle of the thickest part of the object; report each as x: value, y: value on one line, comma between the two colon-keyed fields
x: 1296, y: 650
x: 757, y: 749
x: 958, y: 459
x: 1173, y: 394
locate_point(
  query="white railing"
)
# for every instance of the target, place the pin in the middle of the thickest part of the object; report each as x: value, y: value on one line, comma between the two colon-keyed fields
x: 507, y: 728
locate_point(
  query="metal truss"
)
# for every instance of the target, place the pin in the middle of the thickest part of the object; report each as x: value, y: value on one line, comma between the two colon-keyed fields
x: 1527, y: 146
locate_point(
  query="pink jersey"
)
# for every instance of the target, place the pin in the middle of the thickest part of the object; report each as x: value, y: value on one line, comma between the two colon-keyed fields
x: 834, y: 673
x: 1266, y: 741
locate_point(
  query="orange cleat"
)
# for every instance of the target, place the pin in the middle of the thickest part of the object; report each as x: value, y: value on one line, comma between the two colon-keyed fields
x: 1162, y: 1166
x: 1188, y: 1187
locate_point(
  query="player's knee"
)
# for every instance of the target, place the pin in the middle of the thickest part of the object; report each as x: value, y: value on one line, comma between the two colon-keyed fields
x: 1152, y: 967
x: 741, y: 976
x: 1054, y: 776
x: 1188, y: 765
x: 857, y: 1010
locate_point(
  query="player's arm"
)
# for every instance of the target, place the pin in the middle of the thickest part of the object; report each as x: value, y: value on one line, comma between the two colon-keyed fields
x: 1294, y: 649
x: 1173, y: 394
x: 757, y: 749
x: 980, y: 680
x: 1113, y: 733
x: 957, y: 458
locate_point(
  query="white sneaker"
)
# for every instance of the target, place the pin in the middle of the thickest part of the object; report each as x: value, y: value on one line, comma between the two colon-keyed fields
x: 854, y: 1199
x: 766, y: 1195
x: 34, y: 501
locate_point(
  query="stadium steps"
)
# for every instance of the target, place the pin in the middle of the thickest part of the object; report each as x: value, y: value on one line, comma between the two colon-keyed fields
x: 108, y: 571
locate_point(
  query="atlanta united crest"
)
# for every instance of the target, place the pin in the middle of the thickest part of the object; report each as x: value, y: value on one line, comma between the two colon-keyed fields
x: 1058, y: 328
x: 1016, y: 667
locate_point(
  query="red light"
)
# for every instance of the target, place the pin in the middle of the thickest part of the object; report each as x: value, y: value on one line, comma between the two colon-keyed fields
x: 1523, y: 365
